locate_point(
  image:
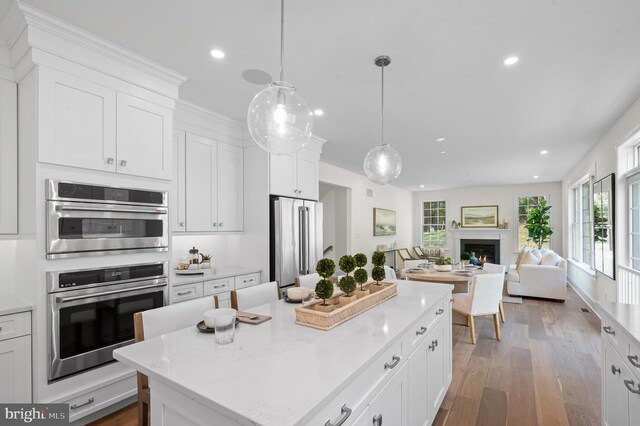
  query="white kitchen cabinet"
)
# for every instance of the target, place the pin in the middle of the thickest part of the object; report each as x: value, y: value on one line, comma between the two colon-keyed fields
x: 390, y: 406
x: 143, y: 138
x: 295, y: 175
x: 615, y: 400
x: 87, y: 125
x: 418, y: 407
x: 8, y: 158
x: 15, y: 358
x: 364, y: 419
x: 177, y: 202
x: 214, y: 186
x: 436, y: 369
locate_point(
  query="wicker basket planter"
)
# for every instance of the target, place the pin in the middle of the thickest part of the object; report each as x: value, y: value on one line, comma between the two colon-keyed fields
x: 313, y: 316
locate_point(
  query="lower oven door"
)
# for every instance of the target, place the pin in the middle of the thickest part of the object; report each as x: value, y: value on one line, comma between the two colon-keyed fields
x: 85, y: 326
x: 81, y: 229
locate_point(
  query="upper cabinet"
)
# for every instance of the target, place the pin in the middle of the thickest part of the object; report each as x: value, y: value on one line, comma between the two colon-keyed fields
x: 8, y: 158
x: 208, y: 189
x: 295, y: 175
x: 87, y: 125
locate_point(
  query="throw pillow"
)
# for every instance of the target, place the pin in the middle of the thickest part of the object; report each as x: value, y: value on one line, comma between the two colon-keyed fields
x: 549, y: 259
x: 522, y: 252
x: 537, y: 253
x: 529, y: 259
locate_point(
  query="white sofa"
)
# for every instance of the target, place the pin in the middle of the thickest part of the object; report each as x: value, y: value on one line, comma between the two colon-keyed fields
x: 546, y: 281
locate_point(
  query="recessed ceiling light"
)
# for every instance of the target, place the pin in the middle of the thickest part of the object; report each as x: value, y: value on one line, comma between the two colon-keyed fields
x: 443, y: 152
x: 440, y: 140
x: 511, y: 60
x: 318, y: 112
x: 536, y: 176
x: 544, y: 152
x: 421, y: 186
x: 217, y: 53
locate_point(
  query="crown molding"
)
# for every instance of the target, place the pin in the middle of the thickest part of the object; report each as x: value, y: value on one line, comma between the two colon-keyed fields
x: 207, y: 114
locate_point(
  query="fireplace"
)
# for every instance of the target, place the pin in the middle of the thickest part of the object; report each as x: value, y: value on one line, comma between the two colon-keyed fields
x: 482, y: 248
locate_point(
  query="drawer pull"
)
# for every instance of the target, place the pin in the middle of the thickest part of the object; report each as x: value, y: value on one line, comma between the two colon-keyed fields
x: 440, y: 312
x: 634, y: 360
x: 614, y: 370
x: 184, y: 293
x: 432, y: 346
x: 345, y: 412
x: 123, y: 163
x: 421, y: 331
x: 377, y: 420
x: 629, y: 384
x: 396, y: 360
x: 608, y: 330
x: 76, y: 406
x: 220, y: 286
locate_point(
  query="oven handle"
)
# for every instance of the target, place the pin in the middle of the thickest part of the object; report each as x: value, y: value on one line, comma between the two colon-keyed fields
x: 114, y: 208
x: 62, y: 299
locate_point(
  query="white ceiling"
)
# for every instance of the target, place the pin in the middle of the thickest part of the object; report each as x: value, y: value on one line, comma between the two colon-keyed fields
x: 579, y: 70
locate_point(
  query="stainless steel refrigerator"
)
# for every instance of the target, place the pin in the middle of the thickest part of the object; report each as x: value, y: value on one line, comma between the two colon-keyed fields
x: 296, y: 238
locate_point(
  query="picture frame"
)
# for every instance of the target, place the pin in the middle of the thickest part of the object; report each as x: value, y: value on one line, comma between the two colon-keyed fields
x: 479, y: 216
x: 384, y: 222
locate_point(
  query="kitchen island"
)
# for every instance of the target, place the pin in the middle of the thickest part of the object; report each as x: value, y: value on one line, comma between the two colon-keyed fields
x: 392, y: 363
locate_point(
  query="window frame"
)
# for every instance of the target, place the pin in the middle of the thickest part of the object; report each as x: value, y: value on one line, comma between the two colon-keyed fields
x: 588, y: 180
x: 516, y: 229
x: 444, y: 223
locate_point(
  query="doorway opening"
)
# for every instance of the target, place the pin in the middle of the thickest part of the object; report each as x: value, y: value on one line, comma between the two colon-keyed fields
x: 336, y: 225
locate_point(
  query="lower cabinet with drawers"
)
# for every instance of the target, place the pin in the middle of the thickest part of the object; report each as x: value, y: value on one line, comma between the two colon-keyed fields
x: 15, y: 357
x: 220, y: 287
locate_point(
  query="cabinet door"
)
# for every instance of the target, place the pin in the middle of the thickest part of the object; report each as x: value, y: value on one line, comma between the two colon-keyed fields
x: 615, y: 404
x: 418, y: 407
x: 390, y: 405
x: 230, y: 188
x: 77, y: 122
x: 364, y: 419
x: 178, y: 185
x: 436, y: 369
x: 283, y: 174
x: 143, y: 138
x: 202, y: 184
x: 8, y: 158
x: 634, y: 406
x: 15, y: 370
x: 447, y: 348
x: 307, y: 176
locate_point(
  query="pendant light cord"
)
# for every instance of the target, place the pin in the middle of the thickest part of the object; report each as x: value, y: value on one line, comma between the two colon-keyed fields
x: 281, y: 40
x: 382, y: 110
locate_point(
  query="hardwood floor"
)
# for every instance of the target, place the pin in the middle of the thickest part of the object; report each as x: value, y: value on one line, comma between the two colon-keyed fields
x: 544, y: 371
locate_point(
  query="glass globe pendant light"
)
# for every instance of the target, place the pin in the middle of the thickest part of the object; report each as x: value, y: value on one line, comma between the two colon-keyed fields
x: 383, y: 163
x: 279, y: 120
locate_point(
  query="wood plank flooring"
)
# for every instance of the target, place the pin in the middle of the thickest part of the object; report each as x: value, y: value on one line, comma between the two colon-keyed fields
x: 545, y: 371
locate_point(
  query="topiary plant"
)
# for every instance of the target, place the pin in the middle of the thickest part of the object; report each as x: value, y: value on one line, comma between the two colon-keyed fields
x: 378, y: 259
x: 465, y: 256
x: 347, y: 264
x: 361, y: 259
x: 324, y: 289
x: 377, y: 273
x: 326, y: 268
x: 347, y: 283
x: 360, y: 274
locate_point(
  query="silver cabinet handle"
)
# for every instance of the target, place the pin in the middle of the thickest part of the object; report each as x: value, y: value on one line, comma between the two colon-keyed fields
x: 436, y: 342
x: 123, y: 163
x: 608, y: 330
x: 220, y: 286
x: 110, y: 160
x: 221, y: 224
x: 629, y: 384
x: 184, y: 293
x: 396, y: 360
x: 377, y: 420
x: 633, y: 359
x: 614, y: 370
x: 421, y: 331
x: 181, y: 223
x: 345, y: 412
x: 0, y: 328
x: 440, y: 312
x: 215, y: 223
x: 433, y: 345
x: 76, y: 406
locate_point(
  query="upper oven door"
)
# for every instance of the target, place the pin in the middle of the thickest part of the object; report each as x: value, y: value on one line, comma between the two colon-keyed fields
x: 80, y: 229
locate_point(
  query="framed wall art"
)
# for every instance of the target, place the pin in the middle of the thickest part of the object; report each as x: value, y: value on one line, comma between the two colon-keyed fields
x: 384, y: 222
x: 479, y: 216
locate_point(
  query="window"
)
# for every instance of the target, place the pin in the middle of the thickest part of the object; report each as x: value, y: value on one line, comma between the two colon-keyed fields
x: 524, y: 204
x: 434, y: 224
x: 581, y: 223
x: 634, y: 223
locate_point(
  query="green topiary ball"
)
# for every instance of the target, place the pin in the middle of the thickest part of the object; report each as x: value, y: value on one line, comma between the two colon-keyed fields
x: 326, y: 268
x: 347, y: 263
x: 347, y: 284
x: 324, y: 290
x: 377, y: 273
x: 378, y: 258
x: 360, y: 259
x: 361, y: 276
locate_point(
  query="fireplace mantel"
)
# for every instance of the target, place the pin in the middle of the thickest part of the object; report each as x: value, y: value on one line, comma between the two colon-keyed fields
x: 481, y: 234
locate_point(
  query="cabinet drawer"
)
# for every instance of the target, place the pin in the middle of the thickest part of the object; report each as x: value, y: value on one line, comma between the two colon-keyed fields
x: 359, y: 392
x: 412, y: 338
x: 218, y: 286
x: 15, y: 325
x: 613, y: 333
x: 630, y: 352
x: 186, y: 292
x: 100, y: 398
x: 247, y: 280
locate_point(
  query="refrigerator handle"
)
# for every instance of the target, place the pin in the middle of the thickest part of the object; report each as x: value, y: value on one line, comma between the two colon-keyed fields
x: 301, y: 241
x: 307, y: 238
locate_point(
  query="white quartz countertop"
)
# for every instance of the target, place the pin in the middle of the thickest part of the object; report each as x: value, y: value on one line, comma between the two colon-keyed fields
x: 278, y: 373
x: 12, y: 305
x: 209, y: 274
x: 626, y: 316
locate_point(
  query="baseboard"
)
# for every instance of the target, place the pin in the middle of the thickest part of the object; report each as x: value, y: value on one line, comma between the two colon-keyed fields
x: 585, y: 297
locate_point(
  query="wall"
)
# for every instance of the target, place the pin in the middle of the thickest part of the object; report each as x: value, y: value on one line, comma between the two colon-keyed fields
x: 505, y: 197
x: 603, y: 158
x: 361, y: 237
x: 336, y: 201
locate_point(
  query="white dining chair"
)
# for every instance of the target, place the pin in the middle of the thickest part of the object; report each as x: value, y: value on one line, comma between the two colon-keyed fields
x: 483, y: 299
x: 308, y: 281
x: 389, y: 273
x: 493, y: 268
x: 159, y: 321
x: 256, y: 295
